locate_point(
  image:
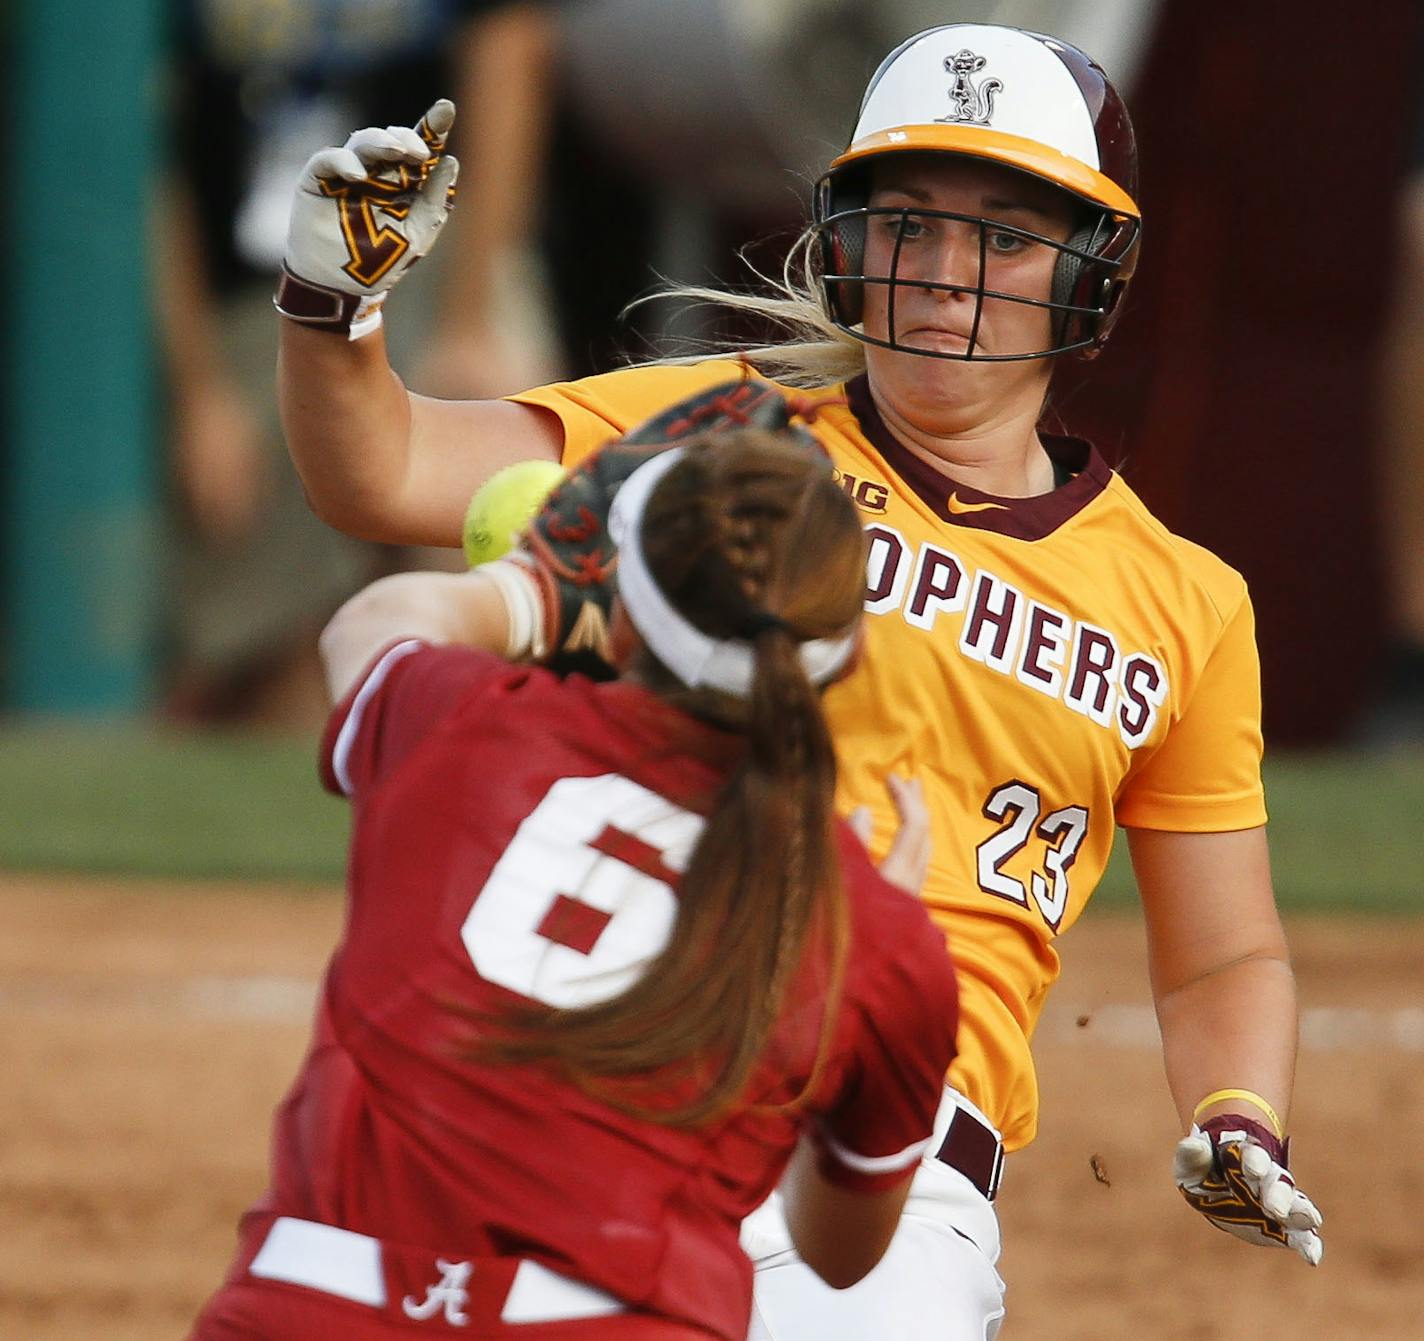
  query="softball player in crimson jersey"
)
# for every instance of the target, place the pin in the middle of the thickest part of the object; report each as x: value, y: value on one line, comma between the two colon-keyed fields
x: 1045, y: 653
x: 524, y: 843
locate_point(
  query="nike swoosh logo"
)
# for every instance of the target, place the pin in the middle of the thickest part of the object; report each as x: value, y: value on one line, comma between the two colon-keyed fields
x: 960, y: 508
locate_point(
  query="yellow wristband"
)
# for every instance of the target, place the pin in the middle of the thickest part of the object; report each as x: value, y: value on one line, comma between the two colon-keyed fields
x: 1216, y: 1096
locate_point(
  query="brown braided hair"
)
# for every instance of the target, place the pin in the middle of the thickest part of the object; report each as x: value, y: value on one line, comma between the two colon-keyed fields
x: 748, y: 536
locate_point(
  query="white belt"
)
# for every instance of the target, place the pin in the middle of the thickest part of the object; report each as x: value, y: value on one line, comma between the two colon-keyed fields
x: 346, y: 1264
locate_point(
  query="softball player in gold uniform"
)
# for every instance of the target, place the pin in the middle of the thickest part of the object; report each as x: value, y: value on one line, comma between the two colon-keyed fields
x: 1052, y: 666
x: 1040, y: 651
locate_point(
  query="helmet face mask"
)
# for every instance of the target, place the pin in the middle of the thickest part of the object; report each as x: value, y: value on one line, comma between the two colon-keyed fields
x: 1028, y: 105
x: 1082, y: 293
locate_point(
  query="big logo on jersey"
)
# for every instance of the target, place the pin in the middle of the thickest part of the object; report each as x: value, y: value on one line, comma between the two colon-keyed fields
x: 583, y: 898
x: 1081, y: 665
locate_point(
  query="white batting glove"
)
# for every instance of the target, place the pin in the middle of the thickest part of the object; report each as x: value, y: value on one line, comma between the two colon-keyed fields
x: 1234, y: 1172
x: 362, y: 216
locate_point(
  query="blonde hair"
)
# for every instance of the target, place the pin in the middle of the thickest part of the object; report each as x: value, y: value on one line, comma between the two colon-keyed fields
x: 814, y: 352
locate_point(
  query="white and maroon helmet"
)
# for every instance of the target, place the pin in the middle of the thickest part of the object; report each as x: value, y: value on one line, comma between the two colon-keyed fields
x: 1007, y: 96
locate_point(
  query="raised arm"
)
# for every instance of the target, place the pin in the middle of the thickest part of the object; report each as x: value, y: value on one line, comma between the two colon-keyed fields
x: 376, y: 460
x: 382, y: 463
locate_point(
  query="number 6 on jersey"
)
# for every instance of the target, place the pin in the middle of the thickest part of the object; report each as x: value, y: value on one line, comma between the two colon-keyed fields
x: 576, y: 907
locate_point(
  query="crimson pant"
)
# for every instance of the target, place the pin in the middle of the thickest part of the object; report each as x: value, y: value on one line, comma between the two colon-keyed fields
x: 297, y: 1279
x: 258, y: 1310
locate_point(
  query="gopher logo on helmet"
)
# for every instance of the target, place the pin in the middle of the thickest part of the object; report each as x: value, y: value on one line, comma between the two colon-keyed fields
x: 974, y: 106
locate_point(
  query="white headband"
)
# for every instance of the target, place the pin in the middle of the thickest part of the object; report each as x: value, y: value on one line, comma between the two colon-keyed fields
x: 697, y: 659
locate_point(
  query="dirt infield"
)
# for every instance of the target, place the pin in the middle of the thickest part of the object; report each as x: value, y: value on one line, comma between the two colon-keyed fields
x: 149, y: 1030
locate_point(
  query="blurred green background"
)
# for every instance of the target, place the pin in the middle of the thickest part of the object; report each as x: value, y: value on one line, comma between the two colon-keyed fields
x: 1347, y: 833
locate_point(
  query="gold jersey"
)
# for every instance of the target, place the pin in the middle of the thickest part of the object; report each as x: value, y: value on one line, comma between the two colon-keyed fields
x: 1050, y: 667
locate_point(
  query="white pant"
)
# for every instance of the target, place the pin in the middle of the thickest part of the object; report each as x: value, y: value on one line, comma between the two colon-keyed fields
x: 936, y: 1282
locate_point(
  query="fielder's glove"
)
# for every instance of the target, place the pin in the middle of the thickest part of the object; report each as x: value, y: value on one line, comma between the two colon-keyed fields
x: 1234, y: 1171
x: 573, y: 554
x: 362, y: 216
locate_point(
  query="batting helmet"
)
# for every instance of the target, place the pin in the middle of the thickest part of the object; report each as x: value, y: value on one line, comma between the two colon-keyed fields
x: 1022, y: 100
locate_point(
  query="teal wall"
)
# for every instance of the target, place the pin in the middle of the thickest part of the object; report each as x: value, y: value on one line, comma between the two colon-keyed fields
x: 80, y: 568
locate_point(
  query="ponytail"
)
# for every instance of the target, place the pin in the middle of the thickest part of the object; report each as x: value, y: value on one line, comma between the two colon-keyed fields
x: 748, y: 537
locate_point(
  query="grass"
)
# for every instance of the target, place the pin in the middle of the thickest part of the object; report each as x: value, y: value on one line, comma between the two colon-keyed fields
x: 132, y: 800
x: 1347, y: 835
x: 1347, y: 832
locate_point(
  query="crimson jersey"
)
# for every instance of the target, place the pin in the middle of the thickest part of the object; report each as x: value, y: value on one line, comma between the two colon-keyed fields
x: 515, y: 833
